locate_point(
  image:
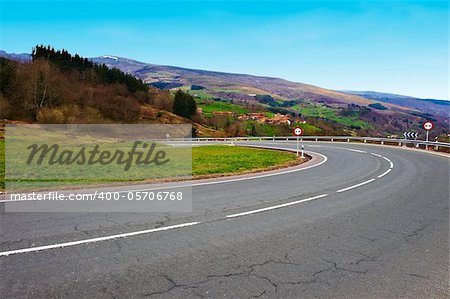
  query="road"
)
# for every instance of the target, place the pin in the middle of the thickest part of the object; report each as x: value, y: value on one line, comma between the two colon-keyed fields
x: 369, y: 222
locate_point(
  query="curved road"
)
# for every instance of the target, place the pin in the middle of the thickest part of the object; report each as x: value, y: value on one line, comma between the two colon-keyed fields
x: 366, y: 222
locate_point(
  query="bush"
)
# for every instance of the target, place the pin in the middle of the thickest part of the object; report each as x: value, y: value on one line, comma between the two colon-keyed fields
x: 377, y: 106
x: 197, y: 87
x: 4, y: 108
x: 70, y: 114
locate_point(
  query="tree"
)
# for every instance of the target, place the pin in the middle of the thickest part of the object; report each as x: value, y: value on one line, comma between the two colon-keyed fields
x: 67, y: 63
x: 184, y: 104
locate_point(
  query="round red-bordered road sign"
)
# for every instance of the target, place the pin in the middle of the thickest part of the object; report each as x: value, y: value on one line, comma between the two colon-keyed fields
x: 297, y: 131
x: 428, y: 126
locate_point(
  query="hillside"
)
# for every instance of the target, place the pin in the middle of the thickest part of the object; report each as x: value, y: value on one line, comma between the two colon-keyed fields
x: 57, y: 87
x: 352, y: 113
x: 241, y: 104
x: 219, y: 82
x: 431, y: 106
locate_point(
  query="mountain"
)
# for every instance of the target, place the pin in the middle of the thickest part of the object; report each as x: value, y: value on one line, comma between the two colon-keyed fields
x: 431, y: 106
x: 220, y: 82
x: 127, y: 65
x: 58, y: 87
x: 354, y: 112
x: 326, y: 111
x: 23, y: 57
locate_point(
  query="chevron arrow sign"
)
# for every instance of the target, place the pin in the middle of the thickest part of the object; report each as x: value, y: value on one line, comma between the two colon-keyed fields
x: 410, y: 135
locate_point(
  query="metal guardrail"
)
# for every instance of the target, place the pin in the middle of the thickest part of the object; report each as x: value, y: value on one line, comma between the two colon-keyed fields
x: 400, y: 142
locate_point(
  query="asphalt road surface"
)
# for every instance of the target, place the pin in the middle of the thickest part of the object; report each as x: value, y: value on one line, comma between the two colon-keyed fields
x: 369, y: 222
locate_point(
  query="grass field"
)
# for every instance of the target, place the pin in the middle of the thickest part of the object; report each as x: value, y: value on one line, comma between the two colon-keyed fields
x: 206, y: 160
x: 312, y: 110
x: 209, y: 108
x: 228, y: 90
x: 223, y: 159
x: 201, y: 94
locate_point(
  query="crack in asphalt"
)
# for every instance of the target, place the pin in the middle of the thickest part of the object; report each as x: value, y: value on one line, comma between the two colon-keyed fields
x: 173, y: 285
x: 249, y: 270
x: 335, y: 267
x: 418, y: 275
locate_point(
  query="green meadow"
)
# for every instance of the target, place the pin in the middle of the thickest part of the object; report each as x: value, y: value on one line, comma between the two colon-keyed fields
x: 206, y: 160
x: 209, y: 107
x: 318, y: 110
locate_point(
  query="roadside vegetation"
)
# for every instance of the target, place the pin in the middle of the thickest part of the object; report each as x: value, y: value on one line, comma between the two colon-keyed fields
x: 224, y: 159
x: 208, y: 160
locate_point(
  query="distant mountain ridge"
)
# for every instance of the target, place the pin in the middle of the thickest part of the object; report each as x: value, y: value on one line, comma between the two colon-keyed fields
x: 144, y: 71
x: 23, y: 57
x: 386, y: 96
x: 430, y: 105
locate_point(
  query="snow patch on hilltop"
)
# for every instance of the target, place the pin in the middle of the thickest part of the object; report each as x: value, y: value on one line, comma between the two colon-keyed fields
x: 109, y: 56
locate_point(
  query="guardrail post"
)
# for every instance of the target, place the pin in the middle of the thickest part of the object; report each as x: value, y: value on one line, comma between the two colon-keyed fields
x: 365, y: 140
x: 382, y: 142
x: 317, y: 139
x: 399, y: 143
x: 332, y: 139
x: 348, y: 140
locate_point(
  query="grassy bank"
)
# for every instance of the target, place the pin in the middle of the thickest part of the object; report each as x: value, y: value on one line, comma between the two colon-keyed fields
x: 209, y: 160
x: 223, y: 159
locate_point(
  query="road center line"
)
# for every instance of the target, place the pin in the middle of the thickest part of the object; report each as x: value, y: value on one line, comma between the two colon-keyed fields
x: 356, y: 186
x: 391, y: 165
x: 94, y: 240
x: 356, y: 151
x: 276, y: 207
x: 384, y: 173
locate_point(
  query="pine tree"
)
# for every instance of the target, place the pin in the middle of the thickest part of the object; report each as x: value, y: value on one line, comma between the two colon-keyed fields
x: 179, y: 104
x: 184, y: 104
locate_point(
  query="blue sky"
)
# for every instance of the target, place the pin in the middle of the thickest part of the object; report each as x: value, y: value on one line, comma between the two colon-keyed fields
x: 391, y: 46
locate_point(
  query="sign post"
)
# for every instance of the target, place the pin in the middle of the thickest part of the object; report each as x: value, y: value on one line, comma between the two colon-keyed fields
x: 428, y: 126
x: 297, y: 132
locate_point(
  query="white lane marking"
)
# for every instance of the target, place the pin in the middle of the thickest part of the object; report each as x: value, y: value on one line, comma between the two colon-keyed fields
x: 356, y: 186
x: 348, y: 149
x: 276, y: 207
x: 325, y: 158
x: 356, y: 151
x: 391, y: 165
x: 376, y: 155
x: 94, y: 240
x: 384, y: 173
